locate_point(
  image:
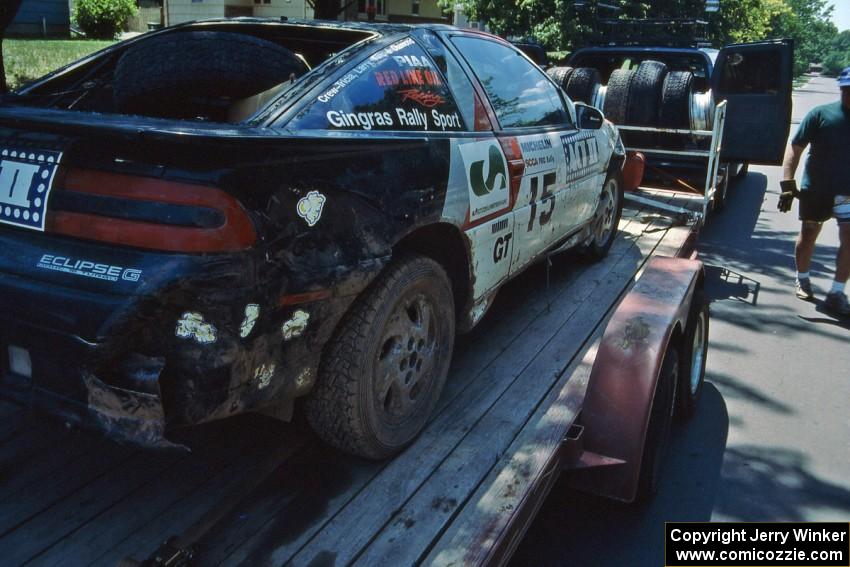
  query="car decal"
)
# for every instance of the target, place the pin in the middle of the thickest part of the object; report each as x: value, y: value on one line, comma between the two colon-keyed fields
x: 26, y: 179
x: 487, y: 178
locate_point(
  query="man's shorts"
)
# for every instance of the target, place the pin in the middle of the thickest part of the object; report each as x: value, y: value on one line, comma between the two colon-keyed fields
x: 816, y: 207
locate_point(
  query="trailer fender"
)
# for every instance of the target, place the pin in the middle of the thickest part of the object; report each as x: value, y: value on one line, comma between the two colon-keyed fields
x: 622, y: 383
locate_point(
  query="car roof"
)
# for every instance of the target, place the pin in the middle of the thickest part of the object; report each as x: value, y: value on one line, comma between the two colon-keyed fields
x: 379, y: 28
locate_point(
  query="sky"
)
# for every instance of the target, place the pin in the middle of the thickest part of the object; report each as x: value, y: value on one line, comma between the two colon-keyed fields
x: 841, y: 14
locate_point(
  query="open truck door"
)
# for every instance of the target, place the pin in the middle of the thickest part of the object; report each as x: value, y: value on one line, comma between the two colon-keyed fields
x: 755, y: 79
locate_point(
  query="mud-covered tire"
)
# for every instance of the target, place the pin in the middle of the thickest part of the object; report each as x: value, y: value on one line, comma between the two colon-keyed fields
x: 560, y: 75
x: 658, y: 429
x: 645, y: 94
x: 675, y: 111
x: 617, y: 96
x: 372, y: 397
x: 695, y: 350
x: 606, y: 218
x: 583, y: 85
x: 191, y: 74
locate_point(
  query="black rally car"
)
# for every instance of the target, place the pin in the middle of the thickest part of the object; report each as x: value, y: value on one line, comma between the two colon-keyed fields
x: 225, y: 216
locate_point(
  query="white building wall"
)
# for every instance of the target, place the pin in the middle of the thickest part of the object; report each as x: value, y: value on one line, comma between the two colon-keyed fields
x: 180, y: 11
x: 289, y: 8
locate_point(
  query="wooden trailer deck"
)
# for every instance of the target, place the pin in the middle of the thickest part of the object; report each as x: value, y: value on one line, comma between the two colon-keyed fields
x: 71, y: 498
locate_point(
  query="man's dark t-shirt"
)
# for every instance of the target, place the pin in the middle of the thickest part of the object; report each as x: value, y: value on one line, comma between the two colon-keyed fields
x: 827, y: 129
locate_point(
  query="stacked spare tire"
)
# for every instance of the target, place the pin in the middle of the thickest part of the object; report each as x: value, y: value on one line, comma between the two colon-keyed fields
x: 650, y: 95
x: 198, y: 74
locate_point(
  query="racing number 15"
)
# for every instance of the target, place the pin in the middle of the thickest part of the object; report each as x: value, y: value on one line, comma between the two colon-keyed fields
x: 545, y: 216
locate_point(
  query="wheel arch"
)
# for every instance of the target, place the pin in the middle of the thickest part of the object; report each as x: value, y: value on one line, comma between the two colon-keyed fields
x: 445, y: 244
x: 621, y: 390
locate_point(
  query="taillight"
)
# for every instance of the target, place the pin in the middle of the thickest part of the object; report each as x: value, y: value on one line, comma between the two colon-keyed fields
x: 147, y: 213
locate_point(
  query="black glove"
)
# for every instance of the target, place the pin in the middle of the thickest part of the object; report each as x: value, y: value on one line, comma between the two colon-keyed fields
x: 789, y: 192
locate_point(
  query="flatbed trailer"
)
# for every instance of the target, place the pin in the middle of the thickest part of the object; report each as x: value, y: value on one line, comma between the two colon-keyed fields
x: 256, y: 491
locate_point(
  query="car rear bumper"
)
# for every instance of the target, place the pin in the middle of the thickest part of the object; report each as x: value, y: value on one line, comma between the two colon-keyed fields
x: 120, y: 365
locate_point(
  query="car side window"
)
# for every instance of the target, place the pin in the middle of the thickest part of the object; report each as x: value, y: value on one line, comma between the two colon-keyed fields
x: 397, y: 88
x: 520, y: 93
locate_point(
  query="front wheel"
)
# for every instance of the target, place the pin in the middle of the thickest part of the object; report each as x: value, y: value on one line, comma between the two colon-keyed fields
x: 603, y: 226
x: 383, y: 371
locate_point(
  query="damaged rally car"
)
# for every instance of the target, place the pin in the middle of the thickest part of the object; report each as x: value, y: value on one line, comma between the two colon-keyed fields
x: 225, y: 216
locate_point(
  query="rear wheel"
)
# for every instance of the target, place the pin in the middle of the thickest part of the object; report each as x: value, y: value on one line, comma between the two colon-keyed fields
x: 694, y: 357
x: 605, y: 220
x: 658, y: 430
x: 384, y: 369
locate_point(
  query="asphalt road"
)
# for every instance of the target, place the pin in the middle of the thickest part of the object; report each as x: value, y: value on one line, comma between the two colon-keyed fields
x: 771, y: 439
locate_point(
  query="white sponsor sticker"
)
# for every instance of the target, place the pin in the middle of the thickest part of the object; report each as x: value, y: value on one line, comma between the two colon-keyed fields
x: 487, y: 178
x: 26, y: 179
x: 310, y: 207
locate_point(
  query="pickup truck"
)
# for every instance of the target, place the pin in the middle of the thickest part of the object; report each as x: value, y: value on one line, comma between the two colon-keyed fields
x: 678, y: 87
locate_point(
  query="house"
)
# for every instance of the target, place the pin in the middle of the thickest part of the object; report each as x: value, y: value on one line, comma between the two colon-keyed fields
x: 41, y: 18
x: 177, y: 11
x: 411, y: 11
x: 404, y: 11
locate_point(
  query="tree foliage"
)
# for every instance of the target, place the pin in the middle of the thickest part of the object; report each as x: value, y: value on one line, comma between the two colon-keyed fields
x: 838, y: 54
x: 568, y: 24
x: 103, y: 19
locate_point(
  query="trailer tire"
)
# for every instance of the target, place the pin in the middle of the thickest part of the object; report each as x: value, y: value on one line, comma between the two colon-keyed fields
x: 676, y: 96
x: 658, y: 429
x: 695, y: 349
x: 606, y: 218
x: 645, y: 94
x: 560, y: 76
x: 583, y: 85
x: 617, y: 96
x: 191, y: 74
x: 372, y: 397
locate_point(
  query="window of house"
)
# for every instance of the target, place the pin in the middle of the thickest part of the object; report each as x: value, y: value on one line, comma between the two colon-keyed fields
x: 414, y: 9
x: 397, y: 88
x: 519, y: 92
x: 363, y: 6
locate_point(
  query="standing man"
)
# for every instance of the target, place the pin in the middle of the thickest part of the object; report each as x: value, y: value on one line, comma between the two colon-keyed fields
x: 825, y: 191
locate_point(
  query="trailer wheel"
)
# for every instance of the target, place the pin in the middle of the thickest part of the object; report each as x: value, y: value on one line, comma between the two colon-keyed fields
x: 676, y: 96
x: 606, y: 218
x: 658, y: 430
x: 560, y: 75
x: 191, y: 74
x: 384, y: 369
x: 694, y: 357
x: 617, y: 97
x: 645, y: 94
x: 583, y: 85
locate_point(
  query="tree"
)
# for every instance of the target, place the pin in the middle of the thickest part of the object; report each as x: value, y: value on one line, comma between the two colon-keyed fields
x: 8, y: 9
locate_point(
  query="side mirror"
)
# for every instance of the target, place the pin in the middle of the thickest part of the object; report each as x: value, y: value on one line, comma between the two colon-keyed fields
x: 588, y: 117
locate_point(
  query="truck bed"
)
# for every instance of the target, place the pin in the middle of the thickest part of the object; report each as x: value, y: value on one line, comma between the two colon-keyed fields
x: 460, y: 494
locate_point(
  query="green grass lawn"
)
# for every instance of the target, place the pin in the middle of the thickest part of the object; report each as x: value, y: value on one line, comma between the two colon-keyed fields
x: 28, y: 59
